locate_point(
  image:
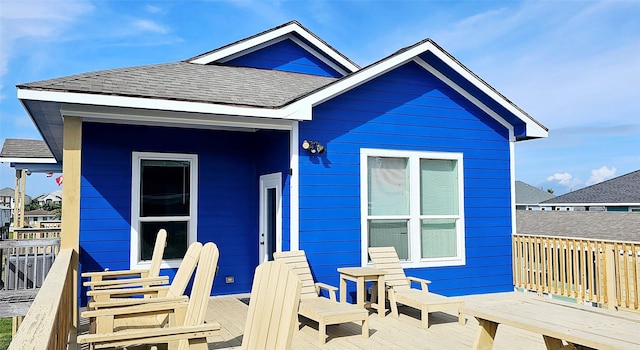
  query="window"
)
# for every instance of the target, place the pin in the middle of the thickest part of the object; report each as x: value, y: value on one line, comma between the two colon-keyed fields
x: 413, y: 201
x: 164, y: 192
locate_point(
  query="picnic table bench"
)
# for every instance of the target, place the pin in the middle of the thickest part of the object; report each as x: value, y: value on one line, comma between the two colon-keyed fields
x: 580, y: 326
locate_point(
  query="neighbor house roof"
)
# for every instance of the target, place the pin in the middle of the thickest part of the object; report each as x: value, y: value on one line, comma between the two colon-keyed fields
x: 34, y: 155
x: 7, y: 192
x: 621, y: 190
x: 580, y: 224
x: 19, y: 150
x: 530, y: 195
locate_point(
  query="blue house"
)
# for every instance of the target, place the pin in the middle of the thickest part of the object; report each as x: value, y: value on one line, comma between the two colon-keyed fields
x: 279, y: 142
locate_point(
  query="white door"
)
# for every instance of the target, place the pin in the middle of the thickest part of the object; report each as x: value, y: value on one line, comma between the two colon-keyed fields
x: 270, y: 235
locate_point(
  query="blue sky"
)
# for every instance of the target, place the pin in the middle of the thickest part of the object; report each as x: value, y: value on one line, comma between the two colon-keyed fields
x: 572, y: 65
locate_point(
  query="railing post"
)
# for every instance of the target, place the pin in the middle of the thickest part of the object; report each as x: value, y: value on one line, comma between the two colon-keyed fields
x: 610, y: 275
x: 70, y: 225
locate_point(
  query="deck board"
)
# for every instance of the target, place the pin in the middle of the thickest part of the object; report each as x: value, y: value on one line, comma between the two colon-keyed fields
x: 444, y: 332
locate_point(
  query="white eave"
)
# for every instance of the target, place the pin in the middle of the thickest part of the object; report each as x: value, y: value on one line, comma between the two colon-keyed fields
x: 160, y: 104
x: 49, y: 160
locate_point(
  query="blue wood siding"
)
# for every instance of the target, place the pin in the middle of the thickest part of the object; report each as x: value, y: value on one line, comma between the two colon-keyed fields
x: 273, y: 157
x: 227, y: 192
x: 286, y: 56
x: 406, y: 109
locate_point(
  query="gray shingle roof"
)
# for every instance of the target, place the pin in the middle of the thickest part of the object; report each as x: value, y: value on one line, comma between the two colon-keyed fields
x: 527, y: 194
x: 580, y: 224
x: 621, y: 189
x: 182, y: 81
x: 21, y: 148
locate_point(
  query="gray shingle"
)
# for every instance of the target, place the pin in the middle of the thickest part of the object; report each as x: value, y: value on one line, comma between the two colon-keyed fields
x: 527, y: 194
x: 182, y: 81
x: 580, y: 224
x: 21, y: 148
x: 621, y: 189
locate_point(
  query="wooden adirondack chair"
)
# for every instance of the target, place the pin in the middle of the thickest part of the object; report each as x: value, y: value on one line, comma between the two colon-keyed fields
x: 272, y: 315
x: 130, y: 296
x: 127, y: 278
x: 185, y: 328
x: 106, y: 298
x: 399, y: 287
x: 313, y: 306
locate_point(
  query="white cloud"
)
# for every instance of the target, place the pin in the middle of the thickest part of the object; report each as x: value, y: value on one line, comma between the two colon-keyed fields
x: 45, y: 20
x: 565, y: 179
x: 149, y: 26
x: 599, y: 175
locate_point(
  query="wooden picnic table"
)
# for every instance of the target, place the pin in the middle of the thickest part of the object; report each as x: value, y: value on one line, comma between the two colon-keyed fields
x: 580, y: 326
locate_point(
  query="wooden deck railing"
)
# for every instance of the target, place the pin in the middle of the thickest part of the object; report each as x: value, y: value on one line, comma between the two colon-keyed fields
x: 49, y: 321
x: 602, y: 272
x: 32, y: 233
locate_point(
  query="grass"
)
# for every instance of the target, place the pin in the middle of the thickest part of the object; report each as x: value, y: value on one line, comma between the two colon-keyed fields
x: 5, y: 332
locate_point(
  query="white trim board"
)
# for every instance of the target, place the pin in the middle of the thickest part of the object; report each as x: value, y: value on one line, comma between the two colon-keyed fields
x: 248, y: 45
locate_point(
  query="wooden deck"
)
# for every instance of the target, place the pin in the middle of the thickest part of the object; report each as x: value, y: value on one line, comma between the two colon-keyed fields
x: 385, y: 333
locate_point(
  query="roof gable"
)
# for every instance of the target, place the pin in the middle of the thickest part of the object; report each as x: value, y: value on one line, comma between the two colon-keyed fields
x: 288, y: 56
x: 445, y: 67
x: 624, y: 189
x: 292, y: 31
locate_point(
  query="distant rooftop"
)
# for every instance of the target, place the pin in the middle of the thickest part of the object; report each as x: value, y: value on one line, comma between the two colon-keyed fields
x: 580, y: 224
x: 22, y: 148
x: 530, y: 195
x: 624, y: 189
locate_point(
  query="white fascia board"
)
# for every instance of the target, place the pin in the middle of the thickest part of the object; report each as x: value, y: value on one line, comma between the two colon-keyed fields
x: 249, y: 44
x: 293, y: 38
x: 182, y: 120
x: 348, y: 83
x: 158, y: 104
x: 355, y: 80
x: 29, y: 160
x: 467, y: 95
x: 533, y: 128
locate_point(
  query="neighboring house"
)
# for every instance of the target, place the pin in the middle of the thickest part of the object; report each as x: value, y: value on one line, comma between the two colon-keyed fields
x: 6, y: 198
x: 621, y: 194
x: 529, y: 197
x: 624, y: 227
x: 279, y: 142
x: 33, y: 218
x: 54, y: 197
x: 30, y: 155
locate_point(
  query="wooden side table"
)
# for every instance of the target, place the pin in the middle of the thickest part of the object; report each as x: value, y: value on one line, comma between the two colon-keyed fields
x: 360, y: 275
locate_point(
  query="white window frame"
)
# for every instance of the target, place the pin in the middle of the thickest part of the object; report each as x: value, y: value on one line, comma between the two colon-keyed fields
x: 192, y: 219
x: 415, y: 259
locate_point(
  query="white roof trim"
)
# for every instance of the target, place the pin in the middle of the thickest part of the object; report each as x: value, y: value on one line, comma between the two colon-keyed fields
x: 178, y: 119
x: 350, y: 82
x: 533, y: 128
x: 28, y: 160
x: 160, y: 104
x: 293, y: 38
x: 250, y: 44
x: 467, y: 95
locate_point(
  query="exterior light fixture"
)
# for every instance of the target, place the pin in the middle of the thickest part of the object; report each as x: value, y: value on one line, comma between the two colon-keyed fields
x: 314, y: 147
